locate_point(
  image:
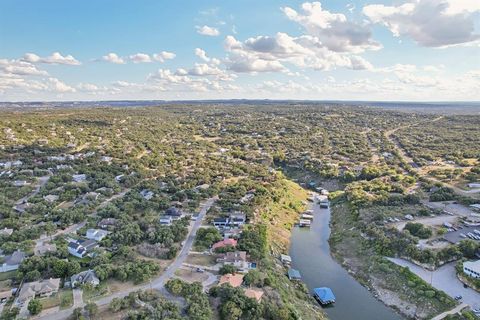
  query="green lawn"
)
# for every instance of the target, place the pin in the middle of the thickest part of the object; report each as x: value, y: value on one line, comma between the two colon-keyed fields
x: 7, y: 275
x: 63, y: 299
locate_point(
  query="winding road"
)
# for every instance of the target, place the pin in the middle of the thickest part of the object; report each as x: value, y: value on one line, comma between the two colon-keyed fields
x: 157, y: 283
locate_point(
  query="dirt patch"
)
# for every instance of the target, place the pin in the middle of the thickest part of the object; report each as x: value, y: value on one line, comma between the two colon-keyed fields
x: 201, y: 259
x: 190, y: 275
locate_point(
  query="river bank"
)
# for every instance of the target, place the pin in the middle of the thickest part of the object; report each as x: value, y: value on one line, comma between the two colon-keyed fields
x: 310, y: 252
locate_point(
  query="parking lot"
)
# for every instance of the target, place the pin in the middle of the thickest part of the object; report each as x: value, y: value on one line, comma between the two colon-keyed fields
x: 455, y: 236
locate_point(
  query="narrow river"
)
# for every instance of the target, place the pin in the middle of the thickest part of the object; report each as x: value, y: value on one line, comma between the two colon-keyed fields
x: 310, y: 253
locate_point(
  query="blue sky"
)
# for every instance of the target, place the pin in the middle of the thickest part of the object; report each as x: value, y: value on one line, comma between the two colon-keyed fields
x: 333, y: 49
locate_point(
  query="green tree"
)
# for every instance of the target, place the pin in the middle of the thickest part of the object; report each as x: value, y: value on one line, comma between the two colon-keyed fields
x: 34, y: 306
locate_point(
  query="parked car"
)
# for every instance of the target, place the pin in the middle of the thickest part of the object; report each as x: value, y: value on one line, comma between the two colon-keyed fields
x: 459, y: 297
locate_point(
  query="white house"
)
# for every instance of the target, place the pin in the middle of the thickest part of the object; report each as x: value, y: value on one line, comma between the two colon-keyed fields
x: 472, y: 269
x: 85, y: 277
x: 474, y: 185
x: 147, y: 194
x: 79, y: 177
x: 96, y: 234
x: 81, y: 248
x: 166, y: 220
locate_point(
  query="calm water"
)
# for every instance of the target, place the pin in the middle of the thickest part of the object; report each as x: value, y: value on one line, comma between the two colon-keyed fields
x: 310, y: 253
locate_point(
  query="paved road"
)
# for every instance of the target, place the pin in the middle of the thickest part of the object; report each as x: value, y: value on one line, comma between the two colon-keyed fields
x: 157, y: 283
x: 445, y: 279
x: 453, y: 311
x: 42, y: 181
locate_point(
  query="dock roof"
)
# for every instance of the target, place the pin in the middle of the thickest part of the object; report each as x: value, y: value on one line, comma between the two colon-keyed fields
x: 324, y: 294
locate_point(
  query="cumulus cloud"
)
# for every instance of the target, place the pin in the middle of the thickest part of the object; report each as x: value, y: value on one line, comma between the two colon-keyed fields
x: 430, y: 23
x: 269, y: 54
x: 334, y: 30
x: 140, y: 58
x: 54, y: 58
x: 164, y: 55
x: 59, y: 86
x: 20, y: 68
x: 113, y: 58
x: 207, y: 31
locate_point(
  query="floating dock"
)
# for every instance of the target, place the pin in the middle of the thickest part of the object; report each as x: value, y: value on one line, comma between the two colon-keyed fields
x: 305, y: 223
x: 324, y: 295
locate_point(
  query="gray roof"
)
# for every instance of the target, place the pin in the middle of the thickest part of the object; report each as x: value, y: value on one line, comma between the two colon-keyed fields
x: 15, y: 258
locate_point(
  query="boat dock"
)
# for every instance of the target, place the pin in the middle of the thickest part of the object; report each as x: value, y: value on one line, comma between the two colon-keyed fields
x: 324, y: 295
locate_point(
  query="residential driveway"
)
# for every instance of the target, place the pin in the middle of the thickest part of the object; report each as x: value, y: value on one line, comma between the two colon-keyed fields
x: 78, y: 298
x: 445, y: 279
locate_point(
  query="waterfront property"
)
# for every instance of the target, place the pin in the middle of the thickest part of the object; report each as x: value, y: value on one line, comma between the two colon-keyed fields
x: 294, y: 274
x: 324, y: 295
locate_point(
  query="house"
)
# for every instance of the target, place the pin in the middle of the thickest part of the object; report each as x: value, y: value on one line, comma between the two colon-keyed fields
x: 256, y: 294
x: 147, y: 194
x: 472, y: 269
x: 44, y: 248
x: 96, y: 234
x: 119, y: 177
x: 475, y: 185
x: 42, y: 288
x: 220, y: 223
x: 224, y: 243
x: 51, y: 198
x: 166, y: 220
x: 85, y: 277
x: 294, y: 274
x: 79, y: 177
x: 12, y: 262
x: 286, y: 260
x: 237, y: 259
x: 20, y: 183
x: 237, y: 219
x: 6, y: 232
x: 232, y: 233
x: 235, y: 280
x: 106, y: 159
x: 174, y: 212
x: 81, y: 248
x: 107, y: 223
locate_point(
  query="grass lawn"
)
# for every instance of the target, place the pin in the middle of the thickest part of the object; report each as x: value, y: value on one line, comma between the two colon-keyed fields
x: 94, y: 293
x: 63, y: 299
x: 7, y: 275
x: 201, y: 259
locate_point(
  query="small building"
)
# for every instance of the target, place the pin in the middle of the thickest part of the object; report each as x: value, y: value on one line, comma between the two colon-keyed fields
x: 79, y: 177
x: 286, y: 259
x: 256, y: 294
x: 6, y: 232
x: 85, y: 277
x: 324, y: 295
x: 294, y: 274
x: 220, y: 223
x: 12, y: 262
x: 224, y: 243
x: 119, y: 178
x: 472, y: 269
x: 237, y: 220
x: 44, y: 248
x: 81, y: 248
x: 235, y: 280
x: 165, y: 220
x: 96, y: 234
x: 238, y: 259
x: 174, y: 212
x: 475, y: 185
x: 20, y: 183
x: 107, y: 223
x: 50, y: 198
x: 147, y: 194
x: 38, y: 289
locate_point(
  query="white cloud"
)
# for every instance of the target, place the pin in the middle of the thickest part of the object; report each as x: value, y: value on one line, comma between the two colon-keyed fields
x: 164, y: 55
x: 207, y: 31
x: 430, y: 23
x: 333, y: 30
x: 113, y: 58
x: 270, y: 54
x: 54, y: 58
x: 202, y: 54
x: 140, y: 58
x: 59, y: 86
x: 20, y: 68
